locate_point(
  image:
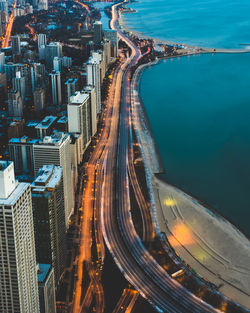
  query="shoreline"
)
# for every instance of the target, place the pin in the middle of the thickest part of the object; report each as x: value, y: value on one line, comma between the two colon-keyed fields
x: 224, y: 250
x: 125, y: 27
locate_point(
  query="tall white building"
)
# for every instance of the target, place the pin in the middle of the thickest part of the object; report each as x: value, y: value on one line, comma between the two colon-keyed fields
x: 55, y: 150
x: 18, y: 275
x: 56, y: 89
x: 94, y: 79
x: 79, y: 116
x: 92, y: 97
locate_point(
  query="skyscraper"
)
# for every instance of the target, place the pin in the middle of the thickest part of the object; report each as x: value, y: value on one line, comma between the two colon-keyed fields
x: 43, y: 5
x: 16, y: 45
x: 97, y: 36
x: 37, y: 73
x: 2, y: 61
x: 55, y: 84
x: 111, y: 35
x: 55, y: 150
x: 49, y: 218
x: 15, y: 104
x: 53, y: 49
x: 57, y: 64
x: 18, y: 83
x: 18, y: 274
x: 79, y: 116
x: 46, y: 287
x: 4, y: 6
x: 39, y: 99
x: 94, y: 80
x: 70, y: 88
x: 21, y: 153
x: 41, y: 40
x: 92, y: 97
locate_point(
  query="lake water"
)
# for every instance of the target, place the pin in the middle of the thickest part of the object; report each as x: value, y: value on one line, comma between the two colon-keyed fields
x: 207, y: 23
x: 199, y: 106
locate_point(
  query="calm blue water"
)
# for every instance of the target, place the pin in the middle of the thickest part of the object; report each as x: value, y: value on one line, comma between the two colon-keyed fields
x: 199, y: 107
x: 207, y: 23
x: 104, y: 17
x: 199, y: 110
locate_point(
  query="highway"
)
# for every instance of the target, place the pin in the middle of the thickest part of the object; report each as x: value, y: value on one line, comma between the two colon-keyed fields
x: 127, y: 301
x: 133, y: 259
x: 6, y: 38
x: 106, y: 195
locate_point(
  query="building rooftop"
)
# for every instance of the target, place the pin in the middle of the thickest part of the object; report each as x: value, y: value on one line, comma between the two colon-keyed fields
x: 15, y: 195
x: 31, y: 123
x: 78, y: 97
x: 43, y: 272
x: 46, y: 122
x: 48, y: 177
x: 63, y: 120
x: 56, y: 139
x: 71, y: 81
x: 24, y: 139
x: 4, y: 165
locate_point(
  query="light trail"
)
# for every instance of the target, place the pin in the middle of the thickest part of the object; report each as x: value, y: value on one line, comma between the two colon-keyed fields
x: 6, y: 38
x: 83, y: 5
x: 32, y: 31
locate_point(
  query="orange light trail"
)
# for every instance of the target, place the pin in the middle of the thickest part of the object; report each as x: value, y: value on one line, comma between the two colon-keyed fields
x: 83, y: 5
x: 6, y: 38
x: 32, y: 31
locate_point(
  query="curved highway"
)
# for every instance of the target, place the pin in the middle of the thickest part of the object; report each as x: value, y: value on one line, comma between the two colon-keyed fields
x: 133, y: 259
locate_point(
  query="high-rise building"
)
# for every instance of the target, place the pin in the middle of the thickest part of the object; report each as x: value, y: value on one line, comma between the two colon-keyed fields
x: 92, y: 97
x: 111, y: 35
x: 97, y: 36
x: 18, y: 274
x: 4, y: 7
x: 66, y: 61
x: 55, y: 150
x: 57, y: 64
x: 15, y: 104
x: 49, y: 218
x: 39, y: 99
x: 45, y: 127
x: 94, y: 80
x: 43, y: 5
x: 41, y: 40
x: 18, y: 83
x: 79, y: 116
x: 16, y: 45
x: 46, y: 287
x: 37, y: 73
x: 53, y: 49
x: 2, y: 62
x: 70, y: 88
x: 21, y: 152
x: 55, y: 84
